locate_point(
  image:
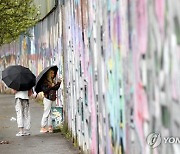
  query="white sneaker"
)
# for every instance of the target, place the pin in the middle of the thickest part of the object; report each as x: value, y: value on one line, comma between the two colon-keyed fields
x: 26, y: 132
x: 19, y: 134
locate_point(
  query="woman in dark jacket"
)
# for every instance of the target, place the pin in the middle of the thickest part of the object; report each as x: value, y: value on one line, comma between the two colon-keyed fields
x: 49, y: 88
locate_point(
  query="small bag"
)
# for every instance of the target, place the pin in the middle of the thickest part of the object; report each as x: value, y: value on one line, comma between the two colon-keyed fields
x: 52, y: 95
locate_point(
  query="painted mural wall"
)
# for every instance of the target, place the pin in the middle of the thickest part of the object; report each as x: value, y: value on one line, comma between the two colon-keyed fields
x: 120, y: 62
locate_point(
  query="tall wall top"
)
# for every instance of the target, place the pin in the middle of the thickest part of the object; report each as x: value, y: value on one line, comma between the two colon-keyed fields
x: 45, y: 6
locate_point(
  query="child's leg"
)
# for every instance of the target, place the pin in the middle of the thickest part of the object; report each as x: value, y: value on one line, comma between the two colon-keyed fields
x: 19, y: 113
x: 27, y: 118
x: 21, y: 129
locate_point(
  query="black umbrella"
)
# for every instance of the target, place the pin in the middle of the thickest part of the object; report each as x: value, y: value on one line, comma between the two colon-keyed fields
x: 18, y: 77
x: 42, y: 76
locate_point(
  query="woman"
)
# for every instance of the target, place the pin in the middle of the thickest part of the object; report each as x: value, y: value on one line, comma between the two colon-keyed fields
x: 49, y: 88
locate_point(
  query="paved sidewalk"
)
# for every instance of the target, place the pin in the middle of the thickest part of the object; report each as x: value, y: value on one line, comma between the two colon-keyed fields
x: 37, y: 143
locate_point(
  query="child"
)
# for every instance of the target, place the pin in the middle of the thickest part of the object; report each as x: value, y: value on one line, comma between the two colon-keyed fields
x: 23, y: 111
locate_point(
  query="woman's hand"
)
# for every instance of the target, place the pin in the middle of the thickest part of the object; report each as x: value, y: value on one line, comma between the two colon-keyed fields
x: 59, y: 80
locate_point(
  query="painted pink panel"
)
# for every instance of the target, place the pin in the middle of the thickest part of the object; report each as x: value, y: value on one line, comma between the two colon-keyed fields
x: 142, y: 28
x: 140, y: 110
x: 93, y: 114
x: 159, y: 8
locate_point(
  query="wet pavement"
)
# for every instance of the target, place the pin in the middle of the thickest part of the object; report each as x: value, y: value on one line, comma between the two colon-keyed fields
x: 36, y: 143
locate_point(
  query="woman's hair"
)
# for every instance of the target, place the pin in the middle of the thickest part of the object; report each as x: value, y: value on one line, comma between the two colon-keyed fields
x: 49, y: 75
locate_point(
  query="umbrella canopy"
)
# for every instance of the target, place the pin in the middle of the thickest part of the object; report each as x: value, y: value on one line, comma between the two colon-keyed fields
x: 42, y: 76
x: 18, y: 77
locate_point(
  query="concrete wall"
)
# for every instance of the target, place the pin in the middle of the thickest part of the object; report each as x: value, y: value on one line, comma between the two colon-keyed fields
x: 120, y: 62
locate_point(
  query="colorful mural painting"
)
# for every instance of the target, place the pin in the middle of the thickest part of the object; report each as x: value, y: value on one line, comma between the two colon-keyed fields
x: 120, y: 66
